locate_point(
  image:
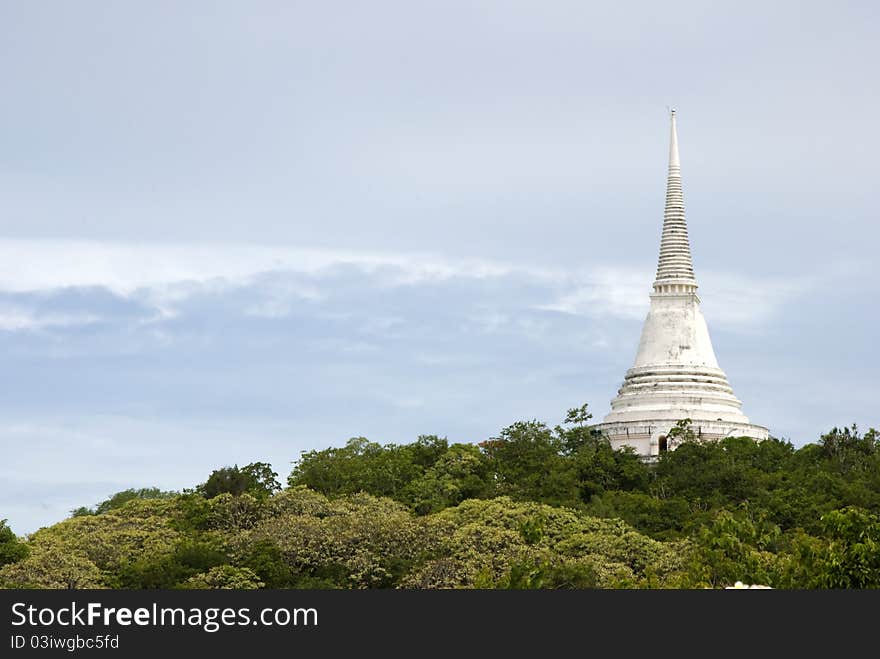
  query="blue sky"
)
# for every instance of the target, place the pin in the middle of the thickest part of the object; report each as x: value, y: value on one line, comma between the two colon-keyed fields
x: 235, y: 232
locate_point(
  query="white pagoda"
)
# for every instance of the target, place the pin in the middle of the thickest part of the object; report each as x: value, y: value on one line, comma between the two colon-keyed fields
x: 675, y: 375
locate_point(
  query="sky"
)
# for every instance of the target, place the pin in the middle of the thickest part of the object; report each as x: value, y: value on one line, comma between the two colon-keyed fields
x: 232, y: 232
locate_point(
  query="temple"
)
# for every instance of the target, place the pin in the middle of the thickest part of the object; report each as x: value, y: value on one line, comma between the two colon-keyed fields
x: 675, y: 374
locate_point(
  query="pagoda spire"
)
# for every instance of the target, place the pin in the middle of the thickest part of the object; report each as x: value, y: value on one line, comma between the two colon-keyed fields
x: 675, y: 374
x: 675, y: 270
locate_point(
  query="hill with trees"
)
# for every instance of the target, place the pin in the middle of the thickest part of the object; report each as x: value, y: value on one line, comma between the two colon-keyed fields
x: 534, y: 507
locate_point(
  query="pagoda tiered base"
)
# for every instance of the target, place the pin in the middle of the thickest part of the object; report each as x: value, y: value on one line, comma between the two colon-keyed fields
x: 648, y: 436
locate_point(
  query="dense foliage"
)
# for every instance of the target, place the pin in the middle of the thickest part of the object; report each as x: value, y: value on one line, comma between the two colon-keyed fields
x: 534, y: 507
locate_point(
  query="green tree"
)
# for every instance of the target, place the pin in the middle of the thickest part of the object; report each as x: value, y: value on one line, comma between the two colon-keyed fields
x: 708, y: 473
x: 364, y: 466
x: 462, y: 472
x: 848, y: 451
x: 224, y: 577
x: 528, y: 464
x: 354, y: 541
x: 51, y: 568
x: 848, y: 556
x: 11, y: 548
x: 736, y: 546
x: 682, y: 431
x: 265, y: 559
x: 661, y: 518
x: 121, y: 498
x: 87, y: 552
x: 188, y: 558
x: 256, y: 478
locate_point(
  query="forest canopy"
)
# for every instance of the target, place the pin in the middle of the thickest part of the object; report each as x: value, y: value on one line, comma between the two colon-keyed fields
x: 534, y: 507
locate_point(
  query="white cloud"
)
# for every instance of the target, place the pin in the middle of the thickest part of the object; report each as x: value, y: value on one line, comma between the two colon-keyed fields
x: 34, y: 265
x: 740, y: 301
x: 15, y: 319
x: 165, y: 275
x: 730, y: 300
x: 278, y: 296
x: 606, y: 291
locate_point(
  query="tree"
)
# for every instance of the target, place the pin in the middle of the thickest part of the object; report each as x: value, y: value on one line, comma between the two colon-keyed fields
x: 462, y: 472
x: 224, y: 577
x: 599, y: 467
x: 256, y: 478
x: 187, y: 558
x: 231, y: 480
x: 364, y: 466
x: 578, y: 434
x: 849, y: 451
x: 427, y: 450
x: 121, y: 498
x: 47, y: 568
x: 850, y: 555
x: 265, y: 559
x: 661, y: 518
x: 528, y: 464
x: 736, y: 546
x: 682, y: 431
x: 708, y: 473
x: 89, y: 551
x: 11, y: 549
x: 353, y: 541
x: 501, y: 543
